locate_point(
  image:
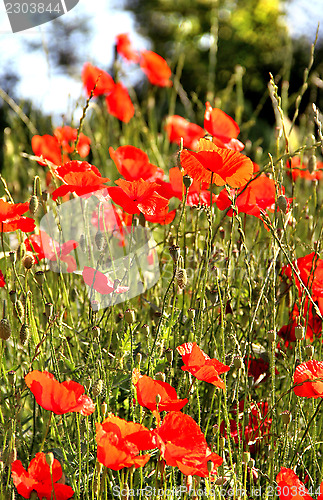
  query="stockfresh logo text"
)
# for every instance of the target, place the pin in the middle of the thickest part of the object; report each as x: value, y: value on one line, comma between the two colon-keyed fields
x: 24, y: 14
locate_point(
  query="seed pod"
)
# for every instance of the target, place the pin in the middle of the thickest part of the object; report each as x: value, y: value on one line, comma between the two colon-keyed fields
x: 129, y: 316
x: 181, y: 277
x: 187, y: 181
x: 282, y: 203
x: 40, y: 278
x: 299, y: 332
x: 5, y: 329
x: 191, y: 313
x: 50, y: 459
x: 169, y: 355
x: 104, y: 409
x: 271, y: 335
x: 13, y: 296
x: 12, y: 257
x: 19, y: 309
x: 237, y: 362
x: 33, y: 204
x: 286, y: 417
x: 28, y: 261
x: 24, y: 334
x: 160, y: 376
x: 309, y: 351
x: 97, y: 388
x: 145, y: 329
x: 175, y: 252
x: 49, y: 310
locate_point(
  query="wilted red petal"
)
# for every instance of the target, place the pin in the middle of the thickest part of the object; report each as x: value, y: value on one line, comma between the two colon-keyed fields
x: 119, y: 103
x: 56, y: 397
x: 219, y: 124
x: 125, y: 49
x: 133, y: 164
x: 148, y: 389
x: 155, y: 68
x: 290, y: 487
x: 200, y: 365
x: 97, y: 79
x: 308, y: 378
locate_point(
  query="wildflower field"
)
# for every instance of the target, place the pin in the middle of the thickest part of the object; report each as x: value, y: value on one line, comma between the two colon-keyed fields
x: 162, y: 295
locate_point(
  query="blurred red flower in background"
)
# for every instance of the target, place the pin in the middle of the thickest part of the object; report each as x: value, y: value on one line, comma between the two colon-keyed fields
x: 200, y: 365
x: 119, y: 443
x: 119, y: 103
x: 125, y: 48
x: 97, y: 79
x: 133, y: 164
x: 178, y: 127
x: 217, y: 165
x: 40, y: 477
x: 2, y: 280
x: 67, y: 136
x: 296, y: 169
x: 308, y: 378
x: 155, y: 68
x: 138, y: 196
x: 11, y: 217
x: 58, y: 397
x: 182, y: 444
x: 101, y: 282
x: 79, y: 177
x: 222, y: 127
x: 147, y: 389
x: 45, y: 247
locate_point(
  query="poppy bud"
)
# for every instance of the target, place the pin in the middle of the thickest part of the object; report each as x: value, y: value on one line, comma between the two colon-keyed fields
x: 99, y: 240
x: 12, y: 455
x: 28, y: 261
x: 312, y: 162
x: 222, y: 442
x: 191, y: 313
x: 169, y: 355
x: 282, y: 203
x: 299, y: 332
x: 309, y: 351
x: 286, y: 417
x: 104, y: 409
x: 5, y: 329
x: 13, y: 296
x: 237, y: 362
x: 138, y: 358
x: 246, y: 457
x: 33, y: 204
x: 24, y: 334
x: 12, y: 257
x: 21, y: 250
x: 40, y: 278
x: 251, y: 463
x: 50, y: 459
x: 187, y: 181
x: 181, y: 277
x: 19, y: 309
x: 210, y: 466
x: 158, y: 398
x: 175, y: 252
x: 129, y: 316
x: 119, y: 317
x: 271, y: 336
x: 48, y: 310
x: 97, y: 388
x: 160, y: 376
x: 145, y: 329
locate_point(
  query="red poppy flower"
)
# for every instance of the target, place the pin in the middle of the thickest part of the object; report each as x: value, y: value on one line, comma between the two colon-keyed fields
x: 11, y: 217
x: 96, y: 77
x: 258, y: 369
x: 45, y: 247
x: 312, y: 322
x: 133, y: 164
x: 79, y: 177
x: 177, y: 128
x: 310, y: 269
x: 295, y: 168
x: 182, y: 444
x: 219, y: 124
x: 2, y: 280
x: 39, y: 477
x: 219, y: 165
x: 101, y: 282
x: 125, y: 49
x: 119, y: 443
x: 200, y: 365
x: 67, y: 136
x: 163, y: 217
x: 155, y: 68
x: 257, y: 197
x: 256, y: 428
x: 147, y: 390
x: 119, y: 103
x: 58, y: 397
x: 290, y: 487
x: 138, y: 196
x: 308, y: 378
x: 48, y: 147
